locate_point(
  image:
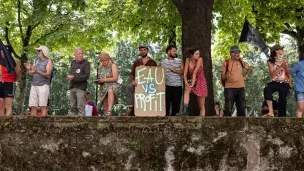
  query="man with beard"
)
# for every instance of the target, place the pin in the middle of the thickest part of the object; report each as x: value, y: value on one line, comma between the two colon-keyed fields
x: 130, y: 89
x: 174, y: 69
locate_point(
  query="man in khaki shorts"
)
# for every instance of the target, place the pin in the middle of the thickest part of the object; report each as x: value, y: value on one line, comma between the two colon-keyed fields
x: 40, y: 88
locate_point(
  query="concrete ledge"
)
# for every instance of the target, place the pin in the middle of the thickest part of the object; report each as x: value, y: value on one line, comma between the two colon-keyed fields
x: 151, y: 143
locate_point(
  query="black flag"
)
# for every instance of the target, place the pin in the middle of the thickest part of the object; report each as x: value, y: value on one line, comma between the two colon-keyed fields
x: 6, y: 58
x: 250, y: 35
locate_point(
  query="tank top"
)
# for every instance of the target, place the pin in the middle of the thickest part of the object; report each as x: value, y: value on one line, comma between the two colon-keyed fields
x: 39, y: 80
x: 280, y: 76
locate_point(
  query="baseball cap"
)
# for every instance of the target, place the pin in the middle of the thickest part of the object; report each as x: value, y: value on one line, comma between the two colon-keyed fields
x: 45, y: 50
x: 235, y: 49
x: 143, y: 46
x: 276, y: 47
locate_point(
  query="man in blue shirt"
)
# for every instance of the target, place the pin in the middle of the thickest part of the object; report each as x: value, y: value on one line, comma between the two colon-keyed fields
x: 298, y: 69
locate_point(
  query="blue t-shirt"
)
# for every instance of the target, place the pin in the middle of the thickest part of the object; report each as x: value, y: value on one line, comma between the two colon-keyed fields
x: 298, y: 69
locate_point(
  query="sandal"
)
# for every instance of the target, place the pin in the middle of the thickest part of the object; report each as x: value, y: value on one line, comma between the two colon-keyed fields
x: 108, y: 113
x: 267, y: 115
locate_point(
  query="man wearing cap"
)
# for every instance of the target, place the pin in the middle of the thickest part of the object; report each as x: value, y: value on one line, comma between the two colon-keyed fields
x: 174, y: 69
x: 78, y: 77
x: 40, y: 88
x: 130, y: 89
x: 232, y: 74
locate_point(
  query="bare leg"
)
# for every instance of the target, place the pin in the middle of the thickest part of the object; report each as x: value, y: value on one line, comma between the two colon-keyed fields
x: 186, y: 95
x: 8, y: 105
x: 270, y: 108
x: 2, y: 107
x: 33, y: 110
x: 110, y: 99
x: 105, y: 104
x: 43, y: 111
x: 300, y: 109
x: 201, y: 102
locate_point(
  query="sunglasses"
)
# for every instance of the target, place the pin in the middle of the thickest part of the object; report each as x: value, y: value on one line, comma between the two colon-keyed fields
x: 38, y: 50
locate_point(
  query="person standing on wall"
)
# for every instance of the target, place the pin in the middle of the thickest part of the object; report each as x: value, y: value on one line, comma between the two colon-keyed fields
x: 78, y: 77
x: 40, y: 88
x: 232, y: 74
x: 174, y: 69
x: 130, y: 89
x: 7, y: 85
x: 298, y: 69
x: 194, y: 79
x: 280, y: 76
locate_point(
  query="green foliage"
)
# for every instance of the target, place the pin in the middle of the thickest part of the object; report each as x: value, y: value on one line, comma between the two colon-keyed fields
x: 269, y: 17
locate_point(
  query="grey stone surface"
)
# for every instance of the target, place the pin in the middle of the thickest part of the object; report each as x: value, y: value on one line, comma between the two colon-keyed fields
x: 151, y: 143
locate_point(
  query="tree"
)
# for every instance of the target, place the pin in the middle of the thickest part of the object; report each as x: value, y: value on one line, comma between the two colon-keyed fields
x: 269, y: 17
x: 196, y: 32
x: 26, y: 24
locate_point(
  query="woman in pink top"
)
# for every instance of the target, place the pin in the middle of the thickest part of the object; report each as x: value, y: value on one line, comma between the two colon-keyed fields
x: 280, y: 75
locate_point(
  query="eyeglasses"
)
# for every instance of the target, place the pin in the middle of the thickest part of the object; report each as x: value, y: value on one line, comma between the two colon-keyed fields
x: 38, y: 50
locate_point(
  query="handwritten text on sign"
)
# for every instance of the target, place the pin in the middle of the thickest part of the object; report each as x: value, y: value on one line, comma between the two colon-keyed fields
x: 150, y: 91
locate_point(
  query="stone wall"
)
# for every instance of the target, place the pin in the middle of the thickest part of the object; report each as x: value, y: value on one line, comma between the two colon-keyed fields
x: 150, y: 143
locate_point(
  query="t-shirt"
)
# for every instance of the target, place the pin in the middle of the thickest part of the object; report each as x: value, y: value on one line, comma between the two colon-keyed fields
x: 172, y: 78
x: 235, y: 78
x: 298, y: 69
x: 6, y: 76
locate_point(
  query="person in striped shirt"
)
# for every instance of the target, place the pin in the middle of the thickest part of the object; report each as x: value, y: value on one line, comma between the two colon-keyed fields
x: 174, y: 71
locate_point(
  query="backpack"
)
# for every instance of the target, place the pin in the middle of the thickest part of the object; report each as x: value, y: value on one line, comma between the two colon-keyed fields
x: 227, y: 64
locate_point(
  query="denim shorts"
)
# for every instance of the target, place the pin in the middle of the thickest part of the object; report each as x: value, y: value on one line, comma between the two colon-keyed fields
x: 300, y: 97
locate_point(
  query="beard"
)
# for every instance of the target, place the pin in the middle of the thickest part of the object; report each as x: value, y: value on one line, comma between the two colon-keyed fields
x: 173, y: 56
x: 144, y: 55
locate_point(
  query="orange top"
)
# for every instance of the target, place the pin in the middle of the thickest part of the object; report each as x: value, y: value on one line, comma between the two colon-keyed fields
x: 235, y: 78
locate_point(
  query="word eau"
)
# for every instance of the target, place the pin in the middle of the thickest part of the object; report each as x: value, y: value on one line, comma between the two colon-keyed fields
x: 142, y: 78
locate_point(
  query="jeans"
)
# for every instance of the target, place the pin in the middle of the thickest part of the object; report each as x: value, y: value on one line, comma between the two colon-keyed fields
x: 235, y: 95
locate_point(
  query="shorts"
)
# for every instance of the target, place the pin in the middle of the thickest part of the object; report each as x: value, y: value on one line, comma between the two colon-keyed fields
x: 300, y: 97
x: 39, y: 95
x: 7, y: 89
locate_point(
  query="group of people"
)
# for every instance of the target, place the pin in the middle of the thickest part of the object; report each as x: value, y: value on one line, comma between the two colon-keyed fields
x: 233, y: 81
x: 192, y: 74
x: 189, y: 72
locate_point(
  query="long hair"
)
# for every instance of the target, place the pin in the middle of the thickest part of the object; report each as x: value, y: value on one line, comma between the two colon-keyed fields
x: 189, y: 52
x: 273, y: 54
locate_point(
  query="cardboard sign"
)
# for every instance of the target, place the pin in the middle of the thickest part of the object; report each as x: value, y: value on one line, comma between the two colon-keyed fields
x: 150, y: 99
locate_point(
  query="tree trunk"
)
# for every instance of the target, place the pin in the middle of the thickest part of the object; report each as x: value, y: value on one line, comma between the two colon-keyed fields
x: 22, y: 86
x: 300, y: 45
x: 196, y: 32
